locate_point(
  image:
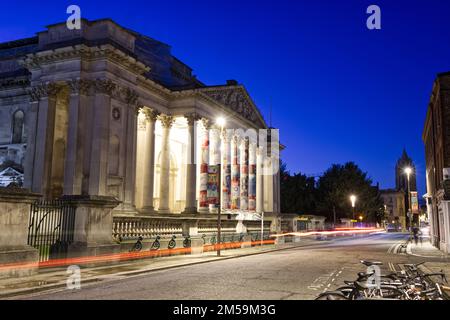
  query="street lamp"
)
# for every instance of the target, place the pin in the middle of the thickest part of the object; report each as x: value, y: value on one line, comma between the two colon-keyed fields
x: 408, y: 172
x: 353, y: 200
x: 221, y: 123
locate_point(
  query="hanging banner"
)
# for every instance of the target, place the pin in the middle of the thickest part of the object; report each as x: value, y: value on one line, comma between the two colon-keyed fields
x: 213, y: 185
x: 414, y: 202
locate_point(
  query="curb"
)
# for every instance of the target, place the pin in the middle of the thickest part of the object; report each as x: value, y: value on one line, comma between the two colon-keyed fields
x: 58, y: 285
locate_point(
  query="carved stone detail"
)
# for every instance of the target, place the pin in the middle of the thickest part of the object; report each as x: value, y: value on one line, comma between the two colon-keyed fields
x: 150, y: 114
x: 44, y: 90
x: 191, y: 118
x: 235, y: 99
x: 130, y: 96
x: 80, y: 86
x: 104, y: 86
x: 206, y: 123
x: 166, y: 120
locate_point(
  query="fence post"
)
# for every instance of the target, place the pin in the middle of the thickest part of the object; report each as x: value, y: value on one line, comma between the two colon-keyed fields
x: 17, y: 258
x: 93, y: 225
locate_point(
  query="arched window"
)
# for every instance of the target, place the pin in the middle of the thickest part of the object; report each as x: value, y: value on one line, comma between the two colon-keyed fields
x: 18, y: 126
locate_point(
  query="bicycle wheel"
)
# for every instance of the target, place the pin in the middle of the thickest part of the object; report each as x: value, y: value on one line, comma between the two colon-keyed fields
x: 331, y: 296
x: 347, y: 291
x: 391, y: 293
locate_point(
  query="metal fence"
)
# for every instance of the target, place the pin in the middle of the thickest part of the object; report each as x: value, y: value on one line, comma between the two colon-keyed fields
x: 51, y: 228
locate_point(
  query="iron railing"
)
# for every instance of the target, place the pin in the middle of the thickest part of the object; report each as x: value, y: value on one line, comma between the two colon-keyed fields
x: 51, y: 228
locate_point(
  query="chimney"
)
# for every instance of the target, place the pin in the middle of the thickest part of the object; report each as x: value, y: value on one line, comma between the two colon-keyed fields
x: 232, y: 82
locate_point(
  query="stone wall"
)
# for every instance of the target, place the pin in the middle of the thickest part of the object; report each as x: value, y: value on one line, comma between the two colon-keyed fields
x: 15, y: 205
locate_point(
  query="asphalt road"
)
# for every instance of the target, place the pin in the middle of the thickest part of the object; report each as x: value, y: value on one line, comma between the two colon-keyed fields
x: 298, y: 273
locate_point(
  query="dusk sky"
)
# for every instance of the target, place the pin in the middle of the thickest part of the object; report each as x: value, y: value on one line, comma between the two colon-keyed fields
x: 339, y: 92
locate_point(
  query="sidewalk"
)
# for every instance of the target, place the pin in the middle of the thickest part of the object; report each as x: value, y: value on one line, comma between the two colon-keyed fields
x: 55, y: 278
x: 425, y: 250
x: 440, y: 263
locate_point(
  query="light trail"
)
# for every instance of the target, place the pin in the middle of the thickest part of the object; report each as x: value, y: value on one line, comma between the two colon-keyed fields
x: 125, y: 256
x: 337, y: 231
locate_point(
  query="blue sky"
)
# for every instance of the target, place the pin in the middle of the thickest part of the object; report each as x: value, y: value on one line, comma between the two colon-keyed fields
x: 338, y: 91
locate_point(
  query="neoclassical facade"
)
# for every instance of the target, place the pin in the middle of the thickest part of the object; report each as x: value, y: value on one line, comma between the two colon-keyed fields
x: 106, y: 111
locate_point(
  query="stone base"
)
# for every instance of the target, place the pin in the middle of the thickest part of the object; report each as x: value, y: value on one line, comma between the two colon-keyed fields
x: 82, y: 250
x: 196, y: 245
x: 246, y: 241
x: 192, y: 210
x: 25, y: 259
x: 279, y: 240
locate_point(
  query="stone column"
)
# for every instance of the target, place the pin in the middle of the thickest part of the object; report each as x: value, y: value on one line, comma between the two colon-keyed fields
x: 46, y: 93
x: 214, y: 169
x: 130, y: 157
x: 252, y: 177
x: 149, y: 160
x: 31, y: 142
x: 244, y: 174
x: 204, y: 162
x: 98, y: 170
x: 235, y: 172
x: 191, y: 168
x: 259, y: 180
x: 166, y: 122
x: 73, y: 169
x: 226, y: 171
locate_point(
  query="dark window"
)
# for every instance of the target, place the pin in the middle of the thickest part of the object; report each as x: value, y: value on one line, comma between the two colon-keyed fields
x: 17, y: 126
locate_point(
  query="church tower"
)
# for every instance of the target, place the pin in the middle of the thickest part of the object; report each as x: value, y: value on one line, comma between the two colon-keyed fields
x: 401, y: 181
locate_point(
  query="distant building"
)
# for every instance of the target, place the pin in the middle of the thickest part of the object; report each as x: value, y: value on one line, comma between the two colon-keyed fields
x: 10, y: 175
x: 401, y: 180
x: 396, y: 202
x: 436, y: 137
x: 394, y: 207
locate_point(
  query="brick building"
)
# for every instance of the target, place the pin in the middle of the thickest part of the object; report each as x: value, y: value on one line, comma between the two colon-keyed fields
x: 436, y: 137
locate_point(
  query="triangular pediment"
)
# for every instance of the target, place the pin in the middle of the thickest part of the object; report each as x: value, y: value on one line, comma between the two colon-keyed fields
x: 238, y: 100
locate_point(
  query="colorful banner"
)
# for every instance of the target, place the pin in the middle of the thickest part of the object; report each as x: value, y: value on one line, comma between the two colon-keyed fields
x: 414, y: 202
x: 213, y: 185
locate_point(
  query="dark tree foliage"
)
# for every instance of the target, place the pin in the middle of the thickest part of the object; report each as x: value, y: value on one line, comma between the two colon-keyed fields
x: 339, y: 182
x: 331, y: 193
x: 298, y: 193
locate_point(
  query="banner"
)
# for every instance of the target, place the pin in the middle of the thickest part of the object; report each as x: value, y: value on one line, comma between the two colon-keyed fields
x: 414, y: 202
x: 213, y: 184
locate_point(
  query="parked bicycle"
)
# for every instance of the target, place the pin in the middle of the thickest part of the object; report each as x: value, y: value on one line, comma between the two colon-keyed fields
x: 409, y: 284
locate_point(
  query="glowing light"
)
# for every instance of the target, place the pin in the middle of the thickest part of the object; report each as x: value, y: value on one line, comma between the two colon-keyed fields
x: 353, y: 200
x: 337, y: 231
x: 221, y: 122
x: 408, y: 170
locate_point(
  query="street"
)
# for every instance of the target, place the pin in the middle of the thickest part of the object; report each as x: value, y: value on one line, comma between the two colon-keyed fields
x: 297, y: 273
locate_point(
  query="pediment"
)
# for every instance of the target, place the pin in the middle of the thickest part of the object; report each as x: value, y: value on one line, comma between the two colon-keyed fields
x: 238, y: 100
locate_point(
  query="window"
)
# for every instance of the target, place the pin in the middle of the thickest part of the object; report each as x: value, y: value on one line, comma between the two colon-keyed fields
x: 18, y: 127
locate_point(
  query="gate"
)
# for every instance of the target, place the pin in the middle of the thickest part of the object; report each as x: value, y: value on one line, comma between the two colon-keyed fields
x: 51, y: 228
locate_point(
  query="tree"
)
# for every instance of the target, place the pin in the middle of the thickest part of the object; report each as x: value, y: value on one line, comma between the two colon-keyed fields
x: 297, y: 192
x: 337, y: 184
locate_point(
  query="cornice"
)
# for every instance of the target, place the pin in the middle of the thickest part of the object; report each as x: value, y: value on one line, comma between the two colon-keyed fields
x: 36, y: 60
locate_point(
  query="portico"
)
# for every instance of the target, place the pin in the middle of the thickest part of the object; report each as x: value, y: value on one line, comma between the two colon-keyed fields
x: 111, y: 119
